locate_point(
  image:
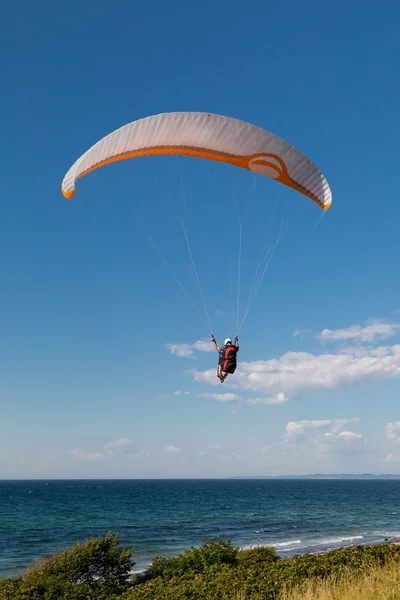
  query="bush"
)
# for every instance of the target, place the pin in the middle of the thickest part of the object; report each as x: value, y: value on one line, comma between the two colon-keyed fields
x: 192, y: 561
x: 95, y: 569
x: 9, y: 588
x: 255, y: 556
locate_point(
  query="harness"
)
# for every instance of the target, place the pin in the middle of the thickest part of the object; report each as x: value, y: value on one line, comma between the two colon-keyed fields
x: 226, y: 355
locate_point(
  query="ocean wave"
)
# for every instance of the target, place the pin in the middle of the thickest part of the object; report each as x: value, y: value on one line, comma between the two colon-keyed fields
x: 315, y: 545
x: 271, y: 544
x: 253, y: 546
x: 288, y: 545
x: 139, y: 571
x: 338, y: 540
x: 284, y: 544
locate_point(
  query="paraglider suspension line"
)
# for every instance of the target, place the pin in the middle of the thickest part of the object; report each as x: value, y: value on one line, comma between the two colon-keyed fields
x: 178, y: 282
x: 239, y: 270
x: 196, y: 276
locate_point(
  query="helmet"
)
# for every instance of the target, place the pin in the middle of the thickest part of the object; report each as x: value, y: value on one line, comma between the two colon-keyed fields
x: 228, y: 341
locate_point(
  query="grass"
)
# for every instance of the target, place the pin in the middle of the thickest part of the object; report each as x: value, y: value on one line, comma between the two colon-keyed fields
x: 380, y: 583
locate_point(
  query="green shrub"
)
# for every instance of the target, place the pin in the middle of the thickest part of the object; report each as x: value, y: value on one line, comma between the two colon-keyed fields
x: 92, y: 570
x: 210, y: 553
x: 192, y: 561
x: 254, y: 556
x: 9, y: 588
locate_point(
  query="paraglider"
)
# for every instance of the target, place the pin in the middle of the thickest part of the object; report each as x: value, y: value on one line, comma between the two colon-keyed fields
x: 214, y: 137
x: 210, y: 136
x: 227, y: 357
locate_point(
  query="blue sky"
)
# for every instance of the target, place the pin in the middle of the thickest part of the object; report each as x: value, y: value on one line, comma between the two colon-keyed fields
x: 103, y: 371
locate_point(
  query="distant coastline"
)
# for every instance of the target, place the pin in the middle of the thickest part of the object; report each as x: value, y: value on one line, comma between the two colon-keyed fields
x: 320, y: 476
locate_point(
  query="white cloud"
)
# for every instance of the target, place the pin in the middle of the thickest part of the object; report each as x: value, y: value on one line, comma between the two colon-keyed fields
x: 228, y: 397
x: 231, y: 397
x: 181, y: 350
x: 350, y: 435
x: 295, y: 372
x: 346, y: 444
x: 339, y: 424
x: 277, y: 399
x: 180, y: 393
x: 375, y: 330
x: 295, y: 430
x: 393, y: 457
x: 122, y: 443
x: 203, y: 346
x: 80, y: 455
x: 122, y: 447
x: 95, y: 456
x: 187, y: 350
x: 300, y: 332
x: 393, y: 431
x: 309, y: 438
x: 173, y: 450
x: 208, y: 376
x: 215, y: 447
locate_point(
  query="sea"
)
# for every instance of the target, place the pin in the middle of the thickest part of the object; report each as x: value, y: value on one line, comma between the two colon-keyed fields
x: 165, y: 517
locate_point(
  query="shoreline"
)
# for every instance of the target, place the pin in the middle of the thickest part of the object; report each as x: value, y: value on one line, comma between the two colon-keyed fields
x: 312, y: 553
